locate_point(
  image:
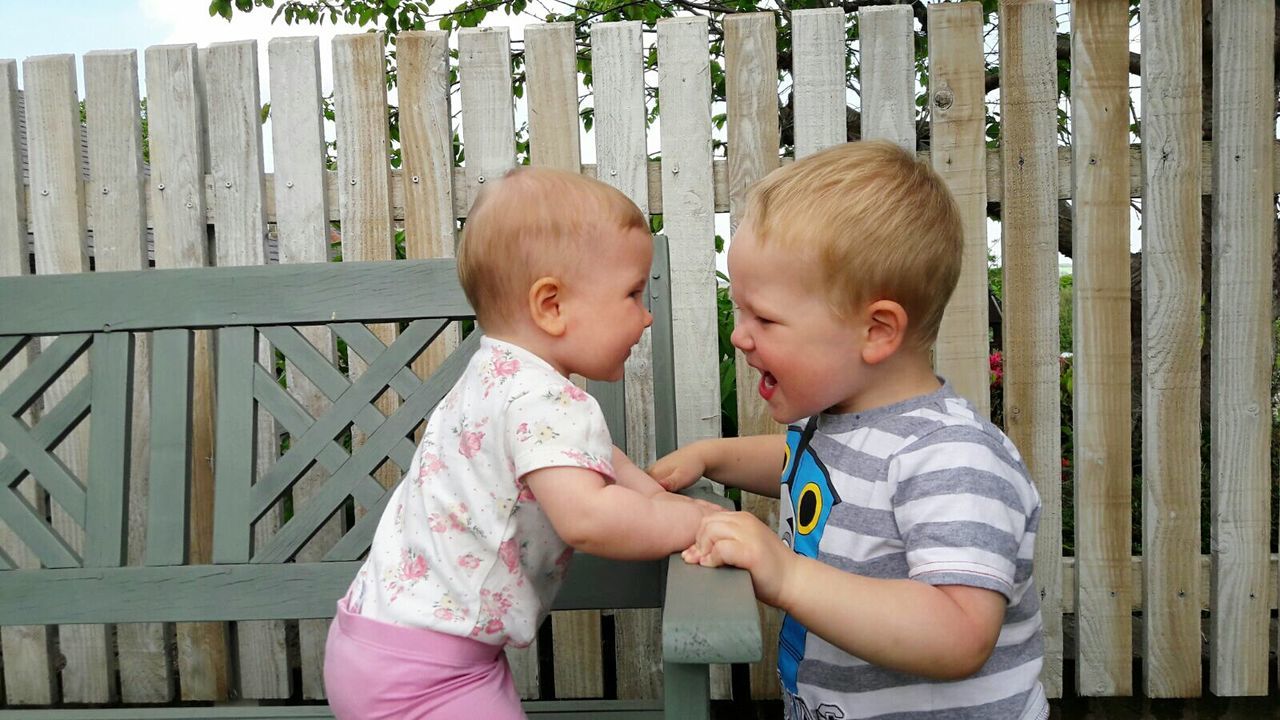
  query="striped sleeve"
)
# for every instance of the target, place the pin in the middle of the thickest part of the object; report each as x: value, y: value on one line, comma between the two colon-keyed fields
x: 961, y: 505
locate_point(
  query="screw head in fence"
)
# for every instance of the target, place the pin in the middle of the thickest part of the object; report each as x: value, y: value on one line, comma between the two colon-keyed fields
x: 675, y: 169
x: 160, y: 187
x: 189, y: 204
x: 105, y: 191
x: 353, y: 181
x: 613, y: 173
x: 44, y: 192
x: 226, y: 184
x: 289, y: 184
x: 414, y: 179
x: 480, y: 179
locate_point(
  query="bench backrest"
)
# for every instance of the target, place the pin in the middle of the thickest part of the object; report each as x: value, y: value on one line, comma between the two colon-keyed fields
x: 87, y: 326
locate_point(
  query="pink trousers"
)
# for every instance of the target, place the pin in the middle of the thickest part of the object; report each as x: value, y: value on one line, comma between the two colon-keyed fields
x: 375, y: 670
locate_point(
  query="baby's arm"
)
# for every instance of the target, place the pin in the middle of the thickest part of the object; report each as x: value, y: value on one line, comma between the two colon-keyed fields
x: 614, y: 521
x: 945, y: 632
x: 752, y: 463
x: 628, y: 475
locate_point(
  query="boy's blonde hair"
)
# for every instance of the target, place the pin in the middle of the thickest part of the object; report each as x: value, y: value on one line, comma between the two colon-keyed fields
x: 878, y: 223
x: 533, y: 223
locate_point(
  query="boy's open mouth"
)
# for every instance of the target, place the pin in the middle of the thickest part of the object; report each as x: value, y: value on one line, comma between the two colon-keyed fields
x: 768, y: 384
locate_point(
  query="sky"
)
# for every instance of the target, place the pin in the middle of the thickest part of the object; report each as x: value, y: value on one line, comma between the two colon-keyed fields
x: 78, y: 26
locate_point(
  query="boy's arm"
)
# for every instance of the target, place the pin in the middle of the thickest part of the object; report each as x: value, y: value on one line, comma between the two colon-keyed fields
x: 945, y: 632
x: 753, y: 463
x: 614, y: 521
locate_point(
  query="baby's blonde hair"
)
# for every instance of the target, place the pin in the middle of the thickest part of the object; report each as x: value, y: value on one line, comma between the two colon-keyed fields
x: 879, y: 224
x: 533, y: 223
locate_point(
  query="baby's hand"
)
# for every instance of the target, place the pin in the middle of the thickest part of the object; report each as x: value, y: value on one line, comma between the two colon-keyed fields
x: 679, y: 469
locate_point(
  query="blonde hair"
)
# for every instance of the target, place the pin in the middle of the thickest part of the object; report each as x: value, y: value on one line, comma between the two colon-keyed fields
x: 879, y: 224
x: 532, y: 223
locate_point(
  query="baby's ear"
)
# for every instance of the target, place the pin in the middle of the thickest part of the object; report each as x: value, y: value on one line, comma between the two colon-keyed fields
x: 886, y: 331
x: 545, y: 309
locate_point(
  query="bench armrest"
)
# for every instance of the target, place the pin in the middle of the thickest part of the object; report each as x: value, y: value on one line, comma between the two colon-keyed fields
x: 709, y: 614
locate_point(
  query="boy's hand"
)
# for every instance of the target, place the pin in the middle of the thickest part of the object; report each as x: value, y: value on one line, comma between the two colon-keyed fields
x: 679, y: 469
x: 741, y: 540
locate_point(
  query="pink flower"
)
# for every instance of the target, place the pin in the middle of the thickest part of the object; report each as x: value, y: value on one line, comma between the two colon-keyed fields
x: 505, y: 365
x: 469, y: 442
x: 509, y: 553
x: 413, y: 567
x: 430, y: 465
x: 444, y: 613
x: 575, y: 393
x: 469, y: 561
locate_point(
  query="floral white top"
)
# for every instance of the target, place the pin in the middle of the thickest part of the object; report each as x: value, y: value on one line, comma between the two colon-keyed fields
x: 463, y: 547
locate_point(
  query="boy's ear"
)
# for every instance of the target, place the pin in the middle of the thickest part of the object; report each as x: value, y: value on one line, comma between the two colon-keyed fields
x: 546, y: 296
x: 886, y: 331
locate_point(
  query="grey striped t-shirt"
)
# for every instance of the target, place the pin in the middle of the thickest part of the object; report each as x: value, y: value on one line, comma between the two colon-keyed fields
x: 924, y: 489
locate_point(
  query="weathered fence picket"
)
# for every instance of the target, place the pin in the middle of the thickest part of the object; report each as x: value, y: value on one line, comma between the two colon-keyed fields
x: 1029, y: 238
x: 1240, y: 328
x: 751, y: 57
x: 1171, y: 272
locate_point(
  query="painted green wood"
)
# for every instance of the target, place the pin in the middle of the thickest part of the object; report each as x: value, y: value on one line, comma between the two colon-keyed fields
x: 10, y: 345
x: 362, y: 393
x: 710, y: 615
x: 664, y: 371
x: 361, y: 339
x: 234, y: 445
x: 294, y: 294
x: 48, y: 470
x: 42, y: 371
x: 169, y: 488
x: 356, y: 541
x: 107, y: 487
x: 174, y: 594
x: 36, y: 534
x: 611, y: 397
x: 687, y: 690
x: 597, y: 584
x: 295, y: 420
x: 332, y: 383
x: 261, y: 591
x: 359, y: 468
x: 53, y: 426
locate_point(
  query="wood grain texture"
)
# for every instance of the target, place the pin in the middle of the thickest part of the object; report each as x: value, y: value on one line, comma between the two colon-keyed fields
x: 888, y: 74
x: 1101, y: 362
x: 752, y: 100
x: 1171, y: 287
x: 1244, y: 104
x: 58, y: 221
x: 1028, y: 108
x: 958, y: 154
x: 818, y: 78
x: 120, y: 243
x: 178, y: 202
x: 426, y: 149
x: 31, y: 681
x: 302, y: 231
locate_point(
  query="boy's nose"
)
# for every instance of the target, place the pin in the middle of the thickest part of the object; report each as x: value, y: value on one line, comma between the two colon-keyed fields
x: 741, y: 339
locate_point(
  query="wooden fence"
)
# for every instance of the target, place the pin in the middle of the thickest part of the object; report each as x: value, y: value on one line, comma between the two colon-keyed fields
x: 205, y: 199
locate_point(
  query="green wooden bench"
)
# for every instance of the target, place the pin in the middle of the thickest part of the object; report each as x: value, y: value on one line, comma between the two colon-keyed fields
x: 709, y: 616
